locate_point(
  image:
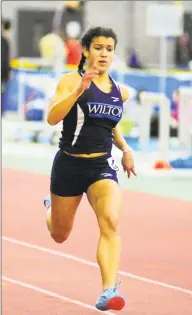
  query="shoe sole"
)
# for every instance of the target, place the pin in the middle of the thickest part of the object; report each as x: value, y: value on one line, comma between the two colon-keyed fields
x: 116, y: 303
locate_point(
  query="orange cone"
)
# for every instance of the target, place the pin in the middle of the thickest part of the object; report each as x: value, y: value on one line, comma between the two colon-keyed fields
x: 161, y: 165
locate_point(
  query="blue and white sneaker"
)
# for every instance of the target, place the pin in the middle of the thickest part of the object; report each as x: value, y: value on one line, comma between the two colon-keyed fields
x: 47, y: 201
x: 110, y: 299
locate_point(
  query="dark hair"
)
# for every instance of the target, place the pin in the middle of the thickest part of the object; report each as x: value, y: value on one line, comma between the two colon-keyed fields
x: 92, y: 33
x: 6, y: 25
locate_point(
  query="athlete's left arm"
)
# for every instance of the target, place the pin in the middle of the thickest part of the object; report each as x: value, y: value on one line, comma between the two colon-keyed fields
x: 119, y: 141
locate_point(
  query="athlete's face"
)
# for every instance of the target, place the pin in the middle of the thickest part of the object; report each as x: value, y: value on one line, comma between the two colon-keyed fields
x: 101, y: 53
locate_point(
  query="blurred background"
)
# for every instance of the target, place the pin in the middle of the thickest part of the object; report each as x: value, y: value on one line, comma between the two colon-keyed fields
x: 41, y: 40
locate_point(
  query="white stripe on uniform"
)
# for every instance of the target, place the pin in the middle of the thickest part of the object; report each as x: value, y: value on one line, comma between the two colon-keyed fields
x: 80, y: 122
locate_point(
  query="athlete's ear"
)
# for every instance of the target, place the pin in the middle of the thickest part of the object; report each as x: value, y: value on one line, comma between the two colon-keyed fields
x: 85, y: 52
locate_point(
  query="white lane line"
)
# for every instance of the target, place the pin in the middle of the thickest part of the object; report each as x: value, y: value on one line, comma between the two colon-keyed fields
x: 92, y: 264
x: 49, y: 293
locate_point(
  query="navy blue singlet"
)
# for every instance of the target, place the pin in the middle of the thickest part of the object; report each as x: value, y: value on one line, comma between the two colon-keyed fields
x: 87, y: 128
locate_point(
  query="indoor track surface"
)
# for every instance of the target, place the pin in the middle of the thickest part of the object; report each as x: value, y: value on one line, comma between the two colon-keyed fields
x: 42, y: 277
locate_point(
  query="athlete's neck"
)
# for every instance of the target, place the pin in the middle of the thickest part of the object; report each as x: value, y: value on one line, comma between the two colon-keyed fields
x: 103, y: 77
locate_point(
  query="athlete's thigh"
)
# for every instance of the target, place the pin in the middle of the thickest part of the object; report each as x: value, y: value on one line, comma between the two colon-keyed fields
x: 63, y: 210
x: 105, y: 198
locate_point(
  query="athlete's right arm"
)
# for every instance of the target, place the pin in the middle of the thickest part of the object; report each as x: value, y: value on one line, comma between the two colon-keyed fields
x: 68, y: 91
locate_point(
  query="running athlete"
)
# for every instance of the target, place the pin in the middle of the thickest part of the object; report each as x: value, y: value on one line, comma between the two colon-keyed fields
x: 90, y: 104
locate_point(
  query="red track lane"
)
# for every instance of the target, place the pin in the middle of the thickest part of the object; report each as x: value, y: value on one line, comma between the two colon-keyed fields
x: 25, y: 301
x: 156, y: 244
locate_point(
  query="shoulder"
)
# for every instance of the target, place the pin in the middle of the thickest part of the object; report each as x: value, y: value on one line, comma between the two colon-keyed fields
x: 124, y: 92
x: 69, y: 80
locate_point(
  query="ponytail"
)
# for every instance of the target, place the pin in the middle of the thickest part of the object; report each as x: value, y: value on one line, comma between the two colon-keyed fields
x: 81, y: 63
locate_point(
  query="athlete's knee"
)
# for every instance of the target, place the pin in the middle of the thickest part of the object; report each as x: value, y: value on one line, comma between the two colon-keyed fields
x: 59, y: 237
x: 113, y: 223
x: 109, y: 224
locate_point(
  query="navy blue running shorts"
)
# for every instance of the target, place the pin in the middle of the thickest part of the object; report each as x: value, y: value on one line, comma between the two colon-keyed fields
x: 72, y: 176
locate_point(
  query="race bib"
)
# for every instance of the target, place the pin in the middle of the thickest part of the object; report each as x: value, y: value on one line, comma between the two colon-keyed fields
x: 112, y: 164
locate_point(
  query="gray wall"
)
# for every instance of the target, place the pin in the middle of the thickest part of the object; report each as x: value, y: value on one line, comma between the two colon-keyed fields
x: 10, y: 8
x: 126, y: 17
x: 149, y: 47
x: 113, y: 14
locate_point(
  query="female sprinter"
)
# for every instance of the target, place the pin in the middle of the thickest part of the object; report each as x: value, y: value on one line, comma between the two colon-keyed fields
x: 90, y: 104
